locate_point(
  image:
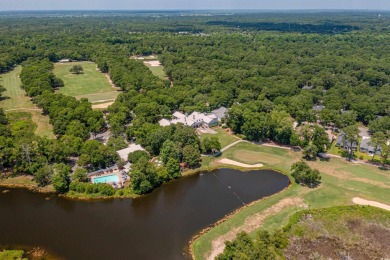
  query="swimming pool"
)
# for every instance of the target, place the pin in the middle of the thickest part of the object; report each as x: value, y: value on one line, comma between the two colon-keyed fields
x: 106, y: 179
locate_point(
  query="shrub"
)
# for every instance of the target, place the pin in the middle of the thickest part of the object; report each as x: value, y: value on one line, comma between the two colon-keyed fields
x: 303, y: 174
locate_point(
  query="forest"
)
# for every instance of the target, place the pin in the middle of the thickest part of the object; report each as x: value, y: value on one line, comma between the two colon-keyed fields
x: 270, y: 70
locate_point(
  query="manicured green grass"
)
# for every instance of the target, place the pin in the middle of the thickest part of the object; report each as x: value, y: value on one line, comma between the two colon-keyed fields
x: 224, y: 137
x: 16, y: 100
x: 91, y: 84
x: 341, y: 181
x: 158, y: 71
x: 15, y: 97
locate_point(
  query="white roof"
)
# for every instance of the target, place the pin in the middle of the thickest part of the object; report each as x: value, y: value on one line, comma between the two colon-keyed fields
x: 179, y: 115
x: 132, y: 148
x: 207, y: 119
x: 164, y: 122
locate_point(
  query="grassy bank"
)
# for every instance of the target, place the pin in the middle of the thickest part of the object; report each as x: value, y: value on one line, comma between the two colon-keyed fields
x: 15, y: 99
x: 91, y: 84
x: 341, y: 181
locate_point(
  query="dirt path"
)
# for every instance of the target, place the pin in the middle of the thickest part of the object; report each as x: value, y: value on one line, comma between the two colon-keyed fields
x: 21, y: 108
x: 244, y: 165
x: 364, y: 202
x: 251, y: 223
x: 103, y: 105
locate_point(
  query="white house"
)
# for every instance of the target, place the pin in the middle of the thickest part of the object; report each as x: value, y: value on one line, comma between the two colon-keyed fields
x: 195, y: 119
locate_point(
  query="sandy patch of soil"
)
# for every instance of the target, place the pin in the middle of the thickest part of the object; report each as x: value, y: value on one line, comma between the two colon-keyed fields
x: 251, y: 223
x: 364, y: 202
x: 103, y: 105
x: 244, y: 165
x: 152, y: 63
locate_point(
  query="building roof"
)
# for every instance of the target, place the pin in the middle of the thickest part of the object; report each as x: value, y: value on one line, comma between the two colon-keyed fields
x: 177, y: 114
x: 307, y: 87
x: 164, y: 122
x: 365, y: 144
x: 132, y: 148
x: 220, y: 112
x: 318, y: 108
x: 341, y: 142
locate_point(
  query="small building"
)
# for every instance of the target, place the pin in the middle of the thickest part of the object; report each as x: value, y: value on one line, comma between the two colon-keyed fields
x: 64, y: 61
x: 220, y: 113
x: 366, y: 147
x: 124, y: 153
x: 307, y: 87
x: 164, y: 122
x: 318, y: 108
x: 340, y: 142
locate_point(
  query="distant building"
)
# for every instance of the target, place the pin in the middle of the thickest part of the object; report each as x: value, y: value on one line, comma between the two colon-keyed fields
x: 220, y: 112
x: 195, y: 119
x: 366, y: 147
x: 64, y: 61
x: 340, y: 142
x: 318, y: 108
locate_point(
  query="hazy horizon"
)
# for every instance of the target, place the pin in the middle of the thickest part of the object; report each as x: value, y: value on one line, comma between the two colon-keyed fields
x: 164, y: 5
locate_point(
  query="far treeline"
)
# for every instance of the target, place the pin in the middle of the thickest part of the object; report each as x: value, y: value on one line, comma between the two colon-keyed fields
x: 268, y: 79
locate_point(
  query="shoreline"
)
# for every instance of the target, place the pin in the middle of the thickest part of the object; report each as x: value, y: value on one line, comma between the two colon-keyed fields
x: 190, y: 250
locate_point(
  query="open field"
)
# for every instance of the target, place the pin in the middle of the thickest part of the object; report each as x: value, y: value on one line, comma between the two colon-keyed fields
x: 341, y: 182
x: 16, y: 100
x: 91, y: 84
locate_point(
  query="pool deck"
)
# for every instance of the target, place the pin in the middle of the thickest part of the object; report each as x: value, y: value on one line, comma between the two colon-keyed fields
x: 108, y: 172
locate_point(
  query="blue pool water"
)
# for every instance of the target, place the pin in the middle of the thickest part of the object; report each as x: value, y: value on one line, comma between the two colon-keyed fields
x: 106, y: 179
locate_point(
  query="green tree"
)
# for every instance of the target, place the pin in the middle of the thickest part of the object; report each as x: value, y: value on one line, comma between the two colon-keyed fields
x: 173, y: 168
x: 321, y: 139
x: 303, y: 174
x: 135, y: 156
x: 80, y: 175
x: 168, y: 151
x: 61, y: 178
x: 77, y: 69
x: 310, y: 152
x: 351, y: 138
x: 43, y: 175
x: 377, y: 141
x: 191, y: 155
x: 2, y: 89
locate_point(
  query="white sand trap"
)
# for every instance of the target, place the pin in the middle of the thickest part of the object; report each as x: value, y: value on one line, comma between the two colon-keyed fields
x: 364, y: 202
x: 153, y: 63
x: 244, y: 165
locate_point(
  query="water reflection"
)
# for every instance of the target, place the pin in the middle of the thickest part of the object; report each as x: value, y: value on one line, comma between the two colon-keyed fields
x: 156, y: 226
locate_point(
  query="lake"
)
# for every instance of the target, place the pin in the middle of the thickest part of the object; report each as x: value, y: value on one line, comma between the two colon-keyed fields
x: 156, y: 226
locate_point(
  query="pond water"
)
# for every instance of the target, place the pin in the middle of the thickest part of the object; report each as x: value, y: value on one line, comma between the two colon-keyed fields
x: 156, y: 226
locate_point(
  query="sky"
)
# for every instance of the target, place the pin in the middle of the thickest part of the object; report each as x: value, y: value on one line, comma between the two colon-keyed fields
x: 6, y: 5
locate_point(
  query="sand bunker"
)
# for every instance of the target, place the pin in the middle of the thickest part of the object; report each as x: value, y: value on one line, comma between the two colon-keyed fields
x: 364, y: 202
x: 244, y: 165
x: 152, y: 63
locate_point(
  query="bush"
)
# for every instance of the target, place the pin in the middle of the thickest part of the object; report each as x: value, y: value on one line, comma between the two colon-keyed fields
x: 303, y: 174
x: 102, y: 189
